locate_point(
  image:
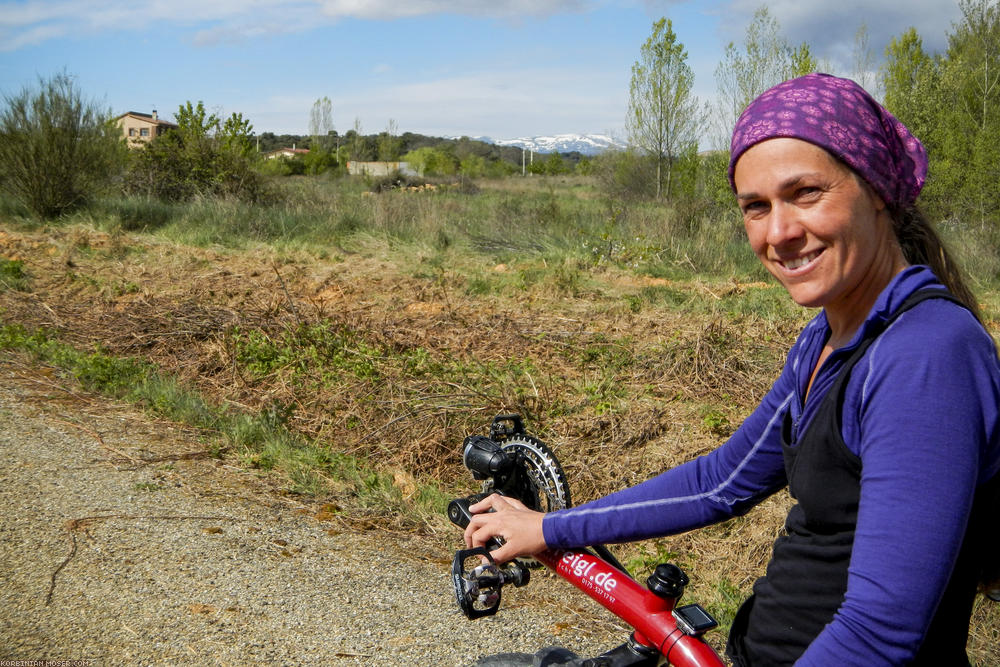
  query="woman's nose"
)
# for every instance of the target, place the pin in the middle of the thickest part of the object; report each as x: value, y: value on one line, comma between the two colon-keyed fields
x: 783, y: 226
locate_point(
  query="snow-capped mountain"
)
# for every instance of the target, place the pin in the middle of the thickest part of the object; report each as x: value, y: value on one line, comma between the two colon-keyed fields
x: 588, y: 144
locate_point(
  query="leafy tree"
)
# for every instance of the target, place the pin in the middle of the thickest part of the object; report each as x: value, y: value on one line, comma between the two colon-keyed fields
x: 195, y: 121
x: 664, y: 116
x: 801, y: 61
x: 472, y: 166
x: 57, y: 150
x: 358, y: 148
x: 236, y: 135
x: 909, y: 79
x: 429, y: 161
x: 971, y: 80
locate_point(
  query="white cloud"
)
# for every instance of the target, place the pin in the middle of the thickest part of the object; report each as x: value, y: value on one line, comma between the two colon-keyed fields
x: 33, y: 22
x: 394, y: 9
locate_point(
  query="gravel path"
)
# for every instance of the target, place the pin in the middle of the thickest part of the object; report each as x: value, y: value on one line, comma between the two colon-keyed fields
x: 121, y: 543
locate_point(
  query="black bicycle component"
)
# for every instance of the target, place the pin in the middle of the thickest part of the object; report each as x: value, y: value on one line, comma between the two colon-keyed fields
x: 518, y: 465
x: 515, y: 464
x: 667, y: 581
x: 484, y: 457
x: 505, y: 426
x: 693, y: 619
x: 478, y: 581
x: 629, y: 654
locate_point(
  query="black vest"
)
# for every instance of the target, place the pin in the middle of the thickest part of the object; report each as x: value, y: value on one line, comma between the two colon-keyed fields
x: 807, y: 576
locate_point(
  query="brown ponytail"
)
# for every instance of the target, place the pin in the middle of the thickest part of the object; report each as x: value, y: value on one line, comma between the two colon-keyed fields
x: 922, y: 245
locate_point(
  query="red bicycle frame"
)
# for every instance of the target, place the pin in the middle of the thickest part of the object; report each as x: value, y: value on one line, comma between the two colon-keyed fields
x: 648, y: 613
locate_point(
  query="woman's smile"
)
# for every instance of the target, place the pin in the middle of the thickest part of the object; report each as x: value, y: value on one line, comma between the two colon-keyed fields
x: 799, y: 262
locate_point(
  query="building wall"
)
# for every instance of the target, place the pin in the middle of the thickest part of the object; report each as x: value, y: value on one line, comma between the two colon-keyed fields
x: 378, y: 168
x: 138, y: 129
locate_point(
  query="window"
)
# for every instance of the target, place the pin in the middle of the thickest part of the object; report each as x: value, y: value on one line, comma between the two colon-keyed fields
x: 131, y: 131
x: 144, y: 132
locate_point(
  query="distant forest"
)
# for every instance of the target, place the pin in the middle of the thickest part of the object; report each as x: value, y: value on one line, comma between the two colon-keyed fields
x: 368, y: 146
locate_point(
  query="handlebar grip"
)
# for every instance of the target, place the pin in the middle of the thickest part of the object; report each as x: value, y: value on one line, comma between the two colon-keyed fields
x: 458, y: 512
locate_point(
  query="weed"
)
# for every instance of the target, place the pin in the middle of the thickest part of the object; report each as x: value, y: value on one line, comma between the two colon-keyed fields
x: 13, y: 276
x: 715, y: 422
x: 147, y: 486
x: 728, y: 598
x: 650, y: 554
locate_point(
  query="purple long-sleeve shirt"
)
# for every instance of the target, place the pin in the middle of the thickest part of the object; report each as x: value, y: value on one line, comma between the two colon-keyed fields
x: 921, y: 412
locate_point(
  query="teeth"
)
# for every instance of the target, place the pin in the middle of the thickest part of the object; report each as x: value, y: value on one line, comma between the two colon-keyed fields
x: 793, y: 264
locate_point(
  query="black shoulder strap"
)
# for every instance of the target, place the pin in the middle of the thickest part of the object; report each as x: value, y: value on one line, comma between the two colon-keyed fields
x: 911, y: 301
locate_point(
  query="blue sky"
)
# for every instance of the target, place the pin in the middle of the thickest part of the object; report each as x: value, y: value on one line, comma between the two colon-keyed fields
x: 501, y: 68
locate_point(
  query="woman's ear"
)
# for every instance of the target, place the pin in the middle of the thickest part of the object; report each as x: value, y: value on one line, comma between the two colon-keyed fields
x: 877, y: 201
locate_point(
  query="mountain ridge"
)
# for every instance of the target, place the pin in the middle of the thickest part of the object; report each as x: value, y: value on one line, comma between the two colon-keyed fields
x: 586, y: 144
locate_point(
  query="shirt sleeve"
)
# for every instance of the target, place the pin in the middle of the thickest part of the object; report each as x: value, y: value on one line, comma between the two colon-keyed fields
x: 724, y: 483
x: 921, y: 414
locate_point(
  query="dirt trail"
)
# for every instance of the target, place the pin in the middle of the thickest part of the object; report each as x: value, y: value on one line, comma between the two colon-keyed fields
x: 122, y: 543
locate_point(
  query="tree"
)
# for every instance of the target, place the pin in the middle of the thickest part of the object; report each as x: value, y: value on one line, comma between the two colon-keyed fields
x: 910, y: 82
x: 358, y: 146
x: 664, y: 116
x: 57, y: 150
x: 235, y: 135
x: 428, y: 161
x: 863, y: 61
x: 388, y: 143
x: 766, y: 60
x: 321, y: 125
x: 971, y: 80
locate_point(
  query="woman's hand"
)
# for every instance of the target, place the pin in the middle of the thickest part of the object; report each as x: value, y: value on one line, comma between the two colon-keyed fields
x: 520, y: 527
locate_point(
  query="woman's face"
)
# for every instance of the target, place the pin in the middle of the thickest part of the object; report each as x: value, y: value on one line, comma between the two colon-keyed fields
x: 816, y: 226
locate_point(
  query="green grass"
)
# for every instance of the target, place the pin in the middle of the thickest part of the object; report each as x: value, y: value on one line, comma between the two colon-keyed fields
x: 13, y: 276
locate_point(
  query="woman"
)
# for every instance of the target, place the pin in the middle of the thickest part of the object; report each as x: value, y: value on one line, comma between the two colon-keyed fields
x: 883, y: 423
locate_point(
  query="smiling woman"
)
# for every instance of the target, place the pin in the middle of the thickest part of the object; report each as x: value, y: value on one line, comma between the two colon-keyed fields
x: 819, y: 229
x: 884, y: 424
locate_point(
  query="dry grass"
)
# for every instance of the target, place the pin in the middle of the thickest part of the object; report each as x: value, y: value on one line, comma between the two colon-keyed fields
x: 403, y: 363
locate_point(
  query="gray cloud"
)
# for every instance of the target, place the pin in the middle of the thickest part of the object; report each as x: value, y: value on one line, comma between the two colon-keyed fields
x: 829, y: 27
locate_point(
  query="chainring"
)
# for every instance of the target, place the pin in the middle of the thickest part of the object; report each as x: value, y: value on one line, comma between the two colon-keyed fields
x: 538, y: 480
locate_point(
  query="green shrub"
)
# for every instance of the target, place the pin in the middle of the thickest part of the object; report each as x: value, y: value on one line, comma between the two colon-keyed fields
x: 57, y: 150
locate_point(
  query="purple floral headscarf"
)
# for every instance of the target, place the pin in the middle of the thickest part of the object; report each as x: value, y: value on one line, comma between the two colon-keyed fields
x: 839, y: 116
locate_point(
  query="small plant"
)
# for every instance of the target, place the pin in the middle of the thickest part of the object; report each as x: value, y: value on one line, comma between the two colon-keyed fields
x: 147, y: 486
x: 715, y: 422
x: 13, y: 276
x: 650, y: 555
